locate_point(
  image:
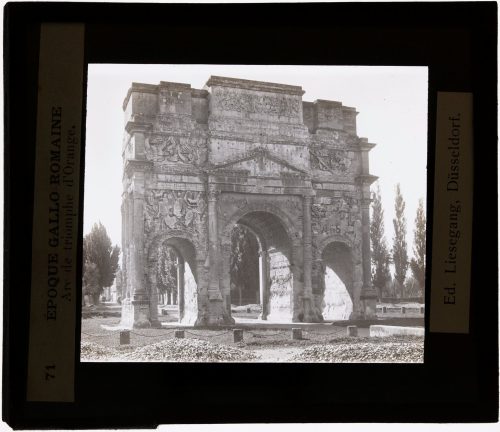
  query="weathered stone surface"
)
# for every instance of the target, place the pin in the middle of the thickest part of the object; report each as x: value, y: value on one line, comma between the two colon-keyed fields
x: 198, y: 162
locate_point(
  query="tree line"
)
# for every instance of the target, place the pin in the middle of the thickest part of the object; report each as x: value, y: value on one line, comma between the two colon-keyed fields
x: 100, y: 258
x: 402, y: 284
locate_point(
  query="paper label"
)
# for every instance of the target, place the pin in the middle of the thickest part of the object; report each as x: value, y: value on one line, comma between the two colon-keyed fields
x: 51, y: 358
x: 452, y: 227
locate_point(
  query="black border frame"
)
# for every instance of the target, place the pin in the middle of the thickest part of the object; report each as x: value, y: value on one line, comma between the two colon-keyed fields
x: 459, y: 380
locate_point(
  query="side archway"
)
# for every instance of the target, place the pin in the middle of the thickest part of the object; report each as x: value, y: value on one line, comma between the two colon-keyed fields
x: 337, y: 270
x: 186, y: 275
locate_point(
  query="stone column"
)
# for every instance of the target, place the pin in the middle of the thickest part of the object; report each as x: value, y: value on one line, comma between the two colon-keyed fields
x: 368, y: 294
x: 318, y: 282
x: 123, y: 294
x: 130, y: 227
x: 153, y: 300
x: 140, y: 299
x: 263, y: 284
x: 217, y: 313
x: 202, y: 278
x: 307, y: 244
x: 213, y: 242
x: 180, y: 287
x: 225, y: 276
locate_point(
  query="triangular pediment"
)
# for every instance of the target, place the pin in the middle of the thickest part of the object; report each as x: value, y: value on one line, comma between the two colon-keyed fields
x: 259, y: 161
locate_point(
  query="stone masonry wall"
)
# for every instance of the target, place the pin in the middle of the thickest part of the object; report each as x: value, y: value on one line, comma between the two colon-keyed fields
x: 198, y: 161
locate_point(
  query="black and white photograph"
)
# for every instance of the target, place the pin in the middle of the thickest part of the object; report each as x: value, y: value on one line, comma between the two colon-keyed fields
x: 256, y: 214
x: 243, y: 213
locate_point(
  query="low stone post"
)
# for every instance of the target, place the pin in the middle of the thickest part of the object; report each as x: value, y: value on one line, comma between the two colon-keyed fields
x: 179, y: 334
x: 296, y: 334
x: 384, y: 309
x: 352, y: 331
x: 403, y: 310
x: 237, y: 335
x: 422, y: 309
x: 125, y: 337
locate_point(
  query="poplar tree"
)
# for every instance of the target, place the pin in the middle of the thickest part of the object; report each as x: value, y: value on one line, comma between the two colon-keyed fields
x: 417, y: 263
x: 399, y: 248
x: 380, y: 253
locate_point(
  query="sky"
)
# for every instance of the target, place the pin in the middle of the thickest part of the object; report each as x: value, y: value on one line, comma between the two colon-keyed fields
x: 391, y: 101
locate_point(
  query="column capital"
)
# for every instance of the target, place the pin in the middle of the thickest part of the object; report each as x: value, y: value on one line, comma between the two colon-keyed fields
x: 365, y: 202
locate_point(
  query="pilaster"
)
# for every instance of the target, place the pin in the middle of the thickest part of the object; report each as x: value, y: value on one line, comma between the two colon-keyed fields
x: 307, y: 296
x: 263, y: 283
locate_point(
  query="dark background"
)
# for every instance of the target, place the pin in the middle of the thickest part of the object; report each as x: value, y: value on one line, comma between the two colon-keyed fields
x: 459, y: 380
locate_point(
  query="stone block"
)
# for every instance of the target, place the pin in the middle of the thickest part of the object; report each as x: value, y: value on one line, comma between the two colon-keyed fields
x: 237, y: 335
x: 352, y: 331
x: 125, y: 337
x: 179, y: 334
x: 296, y: 334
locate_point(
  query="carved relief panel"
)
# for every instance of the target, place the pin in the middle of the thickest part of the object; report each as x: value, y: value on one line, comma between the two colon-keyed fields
x: 190, y: 149
x: 337, y: 216
x: 331, y: 160
x: 170, y: 210
x: 251, y: 103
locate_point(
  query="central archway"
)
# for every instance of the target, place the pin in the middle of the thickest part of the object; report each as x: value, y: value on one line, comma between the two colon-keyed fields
x: 273, y: 257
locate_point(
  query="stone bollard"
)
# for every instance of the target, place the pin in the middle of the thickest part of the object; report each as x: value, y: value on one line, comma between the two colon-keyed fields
x: 352, y: 331
x: 179, y: 334
x: 237, y: 335
x: 125, y: 337
x: 296, y: 333
x: 403, y: 310
x: 384, y: 309
x: 422, y: 309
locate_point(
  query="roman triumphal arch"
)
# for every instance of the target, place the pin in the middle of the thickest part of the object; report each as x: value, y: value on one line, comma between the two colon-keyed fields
x: 294, y: 174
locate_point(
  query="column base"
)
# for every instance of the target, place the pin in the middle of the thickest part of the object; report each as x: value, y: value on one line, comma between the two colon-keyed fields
x: 155, y: 324
x: 137, y: 314
x: 141, y: 313
x: 217, y: 313
x: 368, y: 299
x: 309, y: 313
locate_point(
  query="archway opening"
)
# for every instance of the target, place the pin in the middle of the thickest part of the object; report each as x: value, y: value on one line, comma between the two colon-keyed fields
x: 166, y: 276
x: 338, y: 279
x: 174, y: 280
x: 245, y: 250
x: 265, y: 276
